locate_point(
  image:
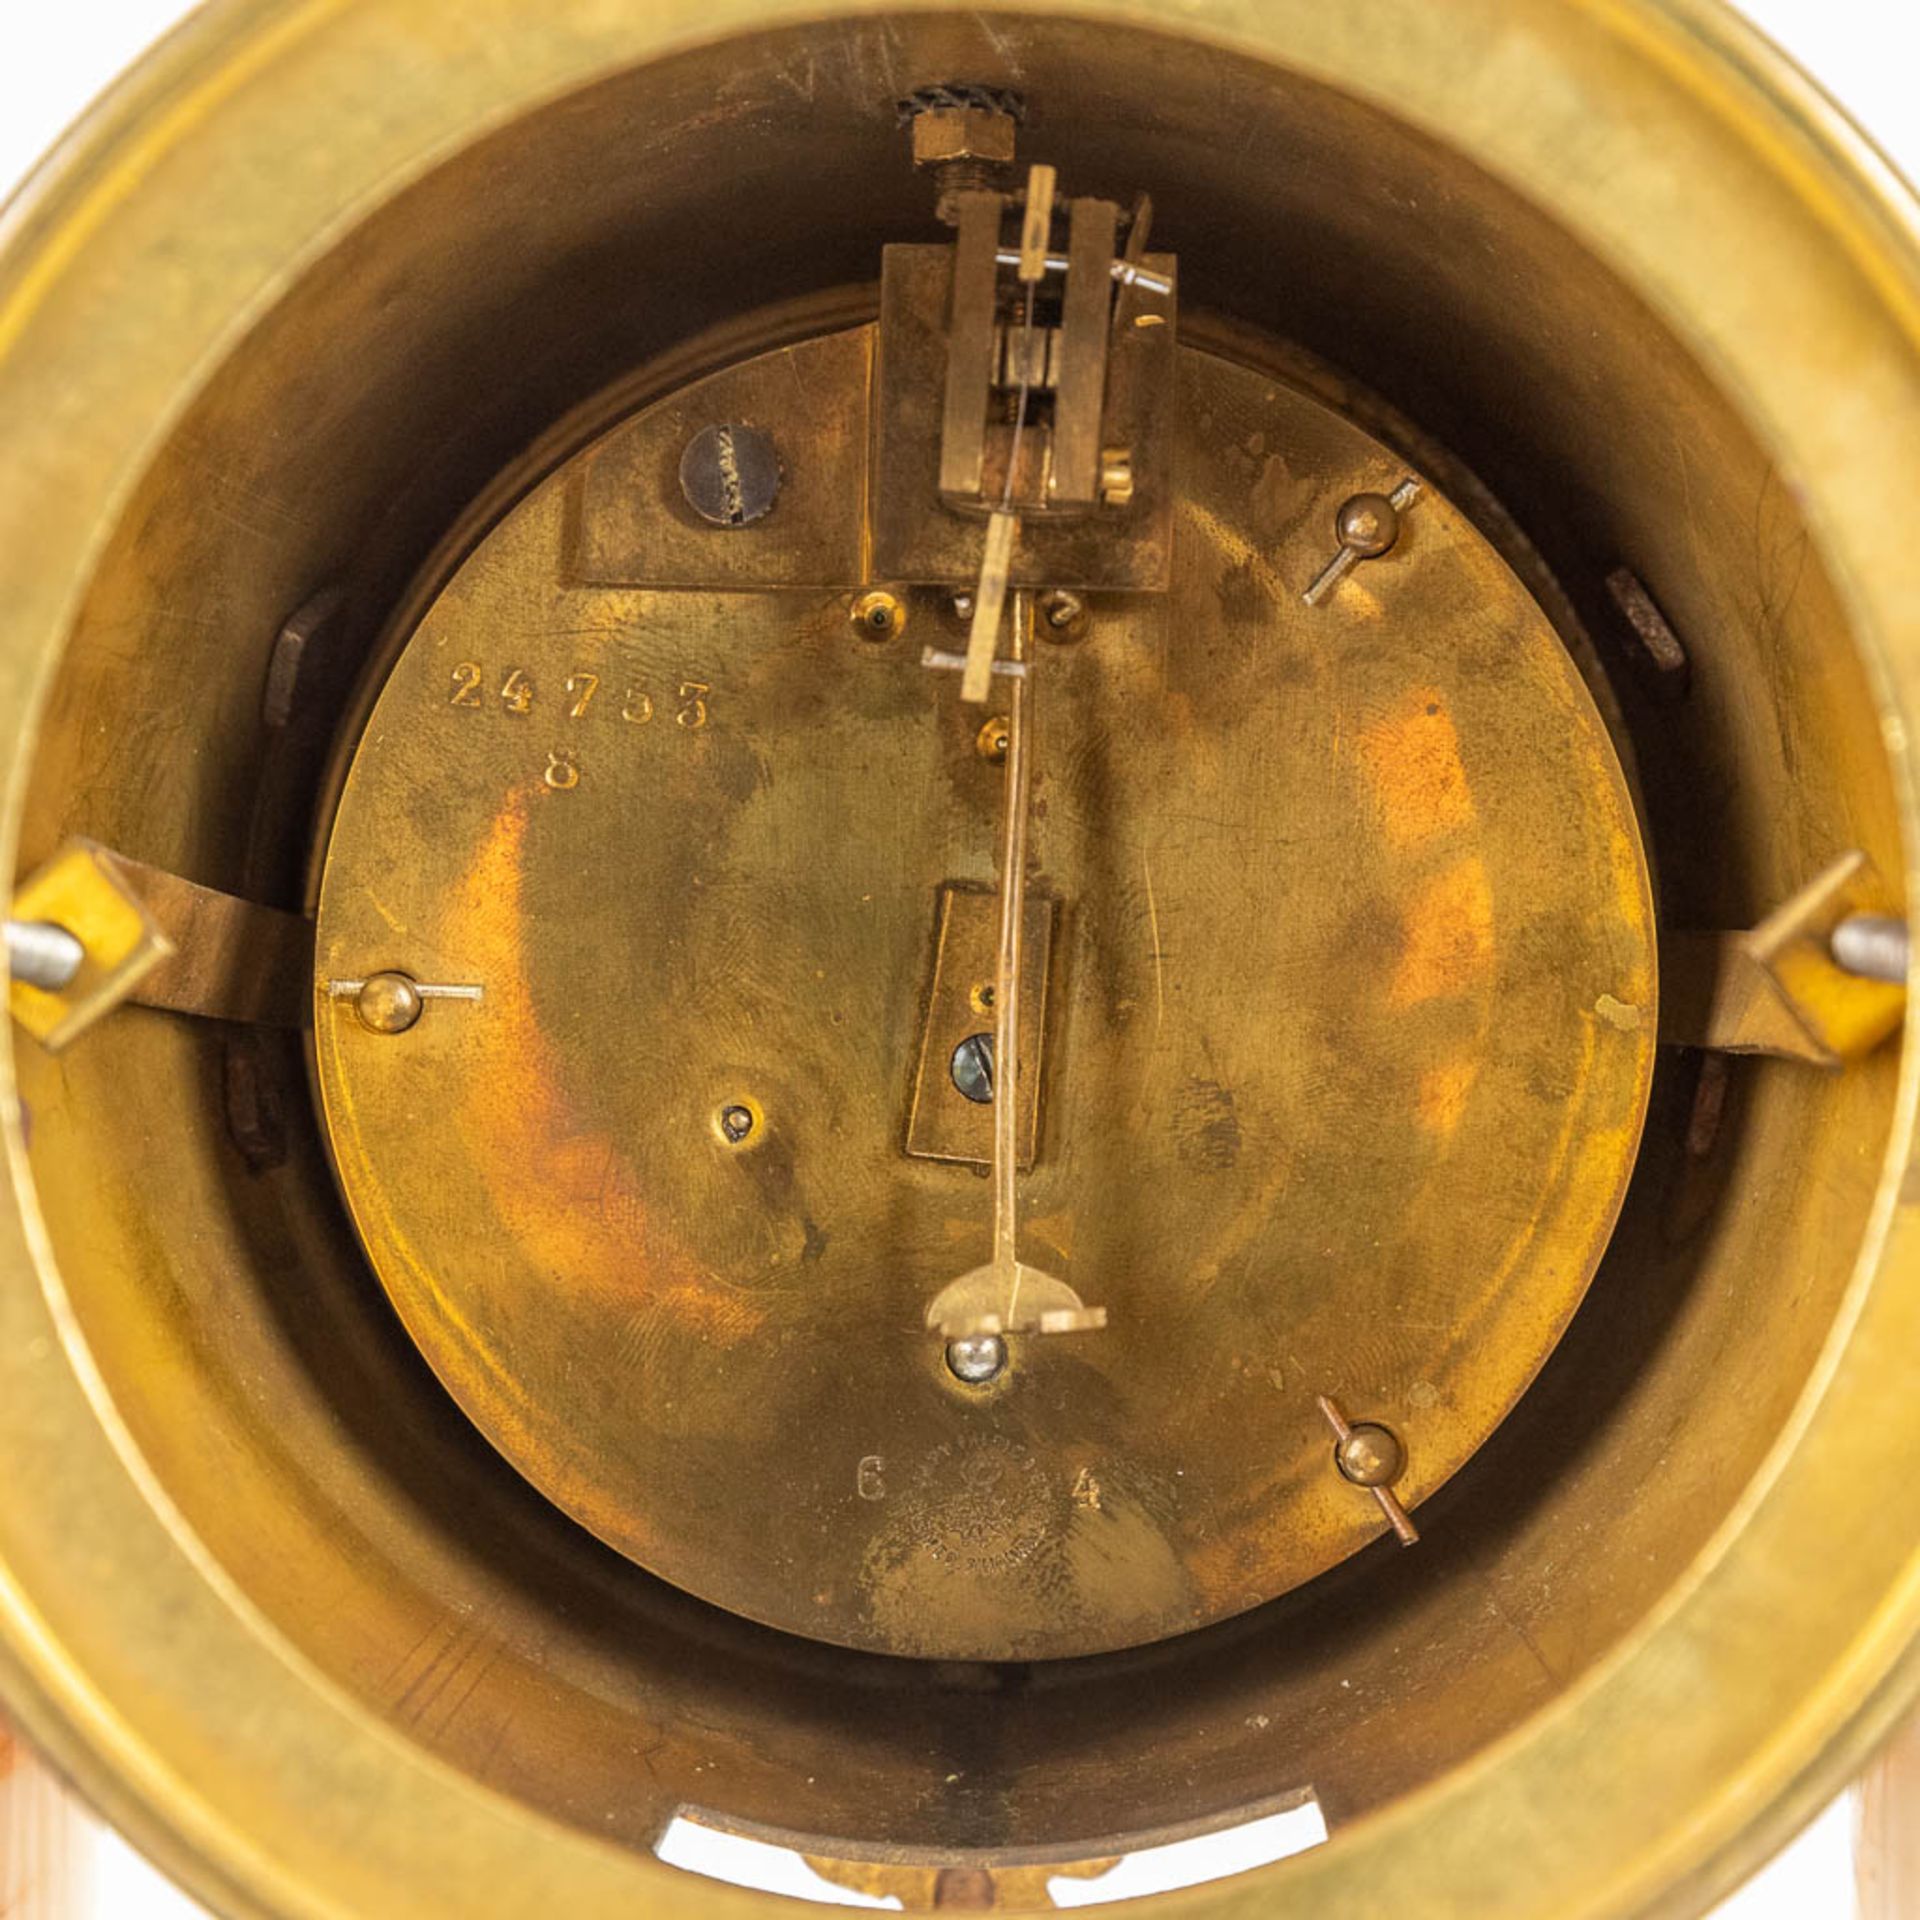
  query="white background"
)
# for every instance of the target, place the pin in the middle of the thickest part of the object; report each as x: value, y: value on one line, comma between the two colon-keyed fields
x: 54, y: 58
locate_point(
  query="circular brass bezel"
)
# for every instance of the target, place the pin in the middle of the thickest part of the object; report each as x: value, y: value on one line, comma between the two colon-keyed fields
x: 1679, y: 147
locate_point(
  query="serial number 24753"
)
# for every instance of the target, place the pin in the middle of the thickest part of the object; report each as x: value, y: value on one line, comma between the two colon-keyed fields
x: 580, y: 696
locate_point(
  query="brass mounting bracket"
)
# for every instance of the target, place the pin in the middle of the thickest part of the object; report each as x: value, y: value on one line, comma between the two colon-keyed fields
x: 1778, y: 990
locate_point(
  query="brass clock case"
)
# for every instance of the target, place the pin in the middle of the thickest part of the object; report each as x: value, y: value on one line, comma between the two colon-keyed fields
x: 303, y: 311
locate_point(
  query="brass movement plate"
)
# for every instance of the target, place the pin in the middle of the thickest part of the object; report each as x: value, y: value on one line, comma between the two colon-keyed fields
x: 960, y: 1007
x: 630, y: 526
x: 1349, y: 1033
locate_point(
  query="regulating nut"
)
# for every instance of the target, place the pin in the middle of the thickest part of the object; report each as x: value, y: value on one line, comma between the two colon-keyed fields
x: 978, y: 134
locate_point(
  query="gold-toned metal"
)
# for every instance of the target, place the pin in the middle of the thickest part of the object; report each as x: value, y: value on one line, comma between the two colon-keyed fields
x: 387, y: 1003
x: 84, y: 889
x: 989, y: 606
x: 1051, y: 466
x: 965, y: 135
x: 1026, y: 355
x: 991, y: 741
x: 1080, y: 474
x: 1036, y: 223
x: 1367, y: 526
x: 286, y: 309
x: 941, y: 1123
x: 226, y: 958
x: 1779, y: 990
x: 630, y: 526
x: 1063, y: 615
x: 1005, y: 1294
x: 1260, y: 1066
x: 939, y: 465
x: 1001, y: 1297
x: 878, y: 615
x: 1371, y: 1456
x: 963, y: 337
x: 1129, y: 308
x: 943, y: 135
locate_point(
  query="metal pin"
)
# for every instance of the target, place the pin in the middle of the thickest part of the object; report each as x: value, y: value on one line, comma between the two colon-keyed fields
x: 1371, y: 1456
x: 392, y: 1002
x: 426, y: 989
x: 944, y: 661
x: 1874, y: 946
x: 1126, y: 309
x: 1125, y: 271
x: 43, y: 955
x: 1366, y: 527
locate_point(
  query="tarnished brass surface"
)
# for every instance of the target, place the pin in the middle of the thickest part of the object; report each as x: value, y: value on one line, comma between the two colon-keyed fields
x: 959, y: 1005
x: 84, y: 889
x: 230, y: 959
x: 914, y: 456
x: 629, y: 527
x: 153, y: 939
x: 1778, y: 989
x: 1354, y: 925
x: 283, y: 318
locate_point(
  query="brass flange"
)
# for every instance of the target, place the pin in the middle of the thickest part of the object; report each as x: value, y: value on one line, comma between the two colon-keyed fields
x: 170, y: 1455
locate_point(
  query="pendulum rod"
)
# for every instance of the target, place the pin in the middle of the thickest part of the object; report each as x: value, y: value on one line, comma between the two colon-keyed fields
x: 1007, y: 969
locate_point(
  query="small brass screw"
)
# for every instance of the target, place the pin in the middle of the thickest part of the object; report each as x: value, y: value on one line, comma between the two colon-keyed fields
x: 993, y: 739
x: 878, y: 615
